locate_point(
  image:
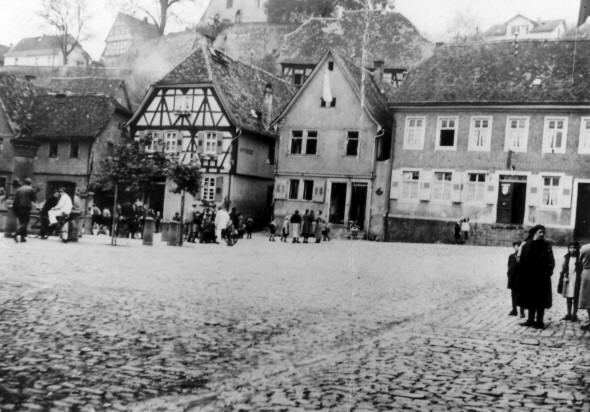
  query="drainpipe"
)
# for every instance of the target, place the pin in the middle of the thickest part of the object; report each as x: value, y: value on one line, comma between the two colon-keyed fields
x: 379, y: 134
x: 388, y: 181
x: 231, y: 144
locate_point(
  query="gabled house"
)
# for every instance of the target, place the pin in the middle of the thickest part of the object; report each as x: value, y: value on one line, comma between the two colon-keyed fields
x: 522, y: 27
x: 235, y: 11
x: 364, y: 36
x: 216, y: 111
x: 497, y: 134
x: 45, y: 51
x: 92, y: 86
x: 334, y: 139
x: 126, y: 32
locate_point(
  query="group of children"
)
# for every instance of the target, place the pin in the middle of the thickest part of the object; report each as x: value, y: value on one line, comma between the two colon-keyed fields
x: 305, y: 226
x: 570, y: 284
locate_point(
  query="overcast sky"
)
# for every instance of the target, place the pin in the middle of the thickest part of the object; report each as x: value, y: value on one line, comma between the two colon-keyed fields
x: 18, y: 18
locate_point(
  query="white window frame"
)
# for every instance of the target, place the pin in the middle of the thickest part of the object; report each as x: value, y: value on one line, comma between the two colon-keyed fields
x: 419, y: 144
x: 210, y: 143
x: 208, y: 188
x: 557, y: 190
x: 508, y: 140
x: 348, y: 139
x: 416, y: 183
x: 170, y: 142
x: 304, y: 138
x: 449, y: 188
x: 584, y: 141
x: 548, y: 135
x: 299, y: 190
x: 439, y: 128
x: 483, y: 185
x: 474, y: 135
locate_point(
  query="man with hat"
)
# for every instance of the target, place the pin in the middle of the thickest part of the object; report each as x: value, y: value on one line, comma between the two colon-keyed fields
x: 24, y: 197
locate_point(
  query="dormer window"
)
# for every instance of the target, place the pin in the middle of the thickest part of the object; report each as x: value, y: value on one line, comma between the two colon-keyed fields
x: 323, y: 103
x: 331, y: 66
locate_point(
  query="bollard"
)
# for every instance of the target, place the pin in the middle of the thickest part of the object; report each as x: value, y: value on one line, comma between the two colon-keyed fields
x: 87, y: 225
x: 11, y: 222
x: 164, y: 231
x: 148, y: 231
x: 173, y: 233
x: 74, y: 227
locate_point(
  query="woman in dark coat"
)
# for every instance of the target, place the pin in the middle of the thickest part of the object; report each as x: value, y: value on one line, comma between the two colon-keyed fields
x: 306, y: 227
x: 536, y: 267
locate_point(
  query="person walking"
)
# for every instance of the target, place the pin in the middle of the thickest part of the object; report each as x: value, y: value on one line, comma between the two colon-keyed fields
x: 272, y: 227
x: 319, y: 227
x: 584, y: 294
x: 536, y: 267
x: 285, y: 228
x: 24, y: 197
x: 569, y: 280
x: 295, y: 226
x: 512, y: 279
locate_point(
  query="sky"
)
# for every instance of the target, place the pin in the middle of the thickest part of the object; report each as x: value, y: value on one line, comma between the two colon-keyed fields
x: 434, y: 18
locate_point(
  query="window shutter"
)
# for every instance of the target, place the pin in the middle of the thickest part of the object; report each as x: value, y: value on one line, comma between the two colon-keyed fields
x: 425, y: 184
x: 396, y: 184
x: 319, y: 189
x: 219, y: 188
x: 457, y: 187
x: 535, y: 190
x: 280, y: 189
x: 219, y: 143
x: 491, y: 195
x: 565, y: 191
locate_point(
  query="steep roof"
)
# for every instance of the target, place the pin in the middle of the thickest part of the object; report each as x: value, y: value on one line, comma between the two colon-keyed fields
x: 59, y: 116
x: 138, y: 28
x: 542, y: 72
x: 540, y: 26
x: 391, y: 38
x: 114, y: 88
x: 240, y: 86
x: 16, y: 98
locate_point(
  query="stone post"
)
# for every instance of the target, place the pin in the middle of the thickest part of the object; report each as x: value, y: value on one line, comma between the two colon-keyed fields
x: 173, y: 234
x: 149, y: 228
x: 25, y: 151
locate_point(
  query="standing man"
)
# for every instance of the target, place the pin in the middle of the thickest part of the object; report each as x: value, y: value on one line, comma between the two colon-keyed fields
x: 536, y: 267
x: 24, y: 196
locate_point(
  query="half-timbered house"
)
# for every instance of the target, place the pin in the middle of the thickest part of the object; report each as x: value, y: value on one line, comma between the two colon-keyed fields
x: 216, y: 111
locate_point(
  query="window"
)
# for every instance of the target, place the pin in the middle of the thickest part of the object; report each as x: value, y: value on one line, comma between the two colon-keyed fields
x: 297, y: 74
x: 475, y: 187
x: 307, y: 189
x: 414, y: 133
x: 352, y: 143
x: 208, y: 190
x: 293, y: 189
x: 304, y: 142
x: 446, y: 133
x: 517, y: 130
x: 182, y: 103
x: 441, y: 187
x: 554, y: 134
x: 584, y: 146
x: 550, y: 190
x: 170, y: 143
x: 153, y: 142
x: 410, y: 184
x: 52, y: 149
x: 480, y: 133
x: 74, y: 150
x: 210, y: 143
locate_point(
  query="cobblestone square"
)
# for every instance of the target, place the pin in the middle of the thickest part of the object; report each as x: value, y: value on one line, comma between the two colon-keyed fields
x: 339, y: 326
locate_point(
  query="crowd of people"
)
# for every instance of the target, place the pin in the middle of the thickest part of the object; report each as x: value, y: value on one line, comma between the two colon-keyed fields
x: 301, y: 227
x: 530, y: 268
x: 210, y: 226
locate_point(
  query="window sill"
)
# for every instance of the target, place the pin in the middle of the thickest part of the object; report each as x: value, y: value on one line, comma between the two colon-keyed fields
x: 446, y: 149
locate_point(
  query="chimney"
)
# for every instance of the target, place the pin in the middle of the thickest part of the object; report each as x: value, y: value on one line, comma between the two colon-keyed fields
x: 584, y: 11
x: 338, y: 11
x: 267, y: 106
x: 378, y: 66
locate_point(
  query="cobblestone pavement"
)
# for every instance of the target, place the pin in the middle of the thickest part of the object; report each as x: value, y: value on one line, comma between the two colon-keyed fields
x: 338, y: 326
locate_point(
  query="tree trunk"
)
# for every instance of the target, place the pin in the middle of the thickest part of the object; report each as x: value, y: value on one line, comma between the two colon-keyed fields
x: 163, y: 16
x: 181, y: 218
x: 115, y: 218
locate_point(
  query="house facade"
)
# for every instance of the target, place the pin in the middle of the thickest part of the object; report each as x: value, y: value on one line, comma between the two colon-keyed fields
x: 216, y: 111
x: 45, y: 51
x: 333, y: 139
x: 522, y: 27
x: 496, y: 136
x: 235, y: 11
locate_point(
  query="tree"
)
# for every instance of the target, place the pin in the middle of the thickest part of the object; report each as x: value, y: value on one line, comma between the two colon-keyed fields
x: 187, y: 178
x: 69, y: 18
x: 296, y: 11
x: 130, y: 171
x: 158, y: 11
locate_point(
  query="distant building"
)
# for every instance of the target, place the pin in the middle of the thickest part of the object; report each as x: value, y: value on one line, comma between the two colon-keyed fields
x: 522, y: 27
x: 391, y: 39
x: 45, y: 51
x: 235, y: 11
x: 127, y: 32
x: 3, y: 50
x: 92, y: 86
x: 216, y: 111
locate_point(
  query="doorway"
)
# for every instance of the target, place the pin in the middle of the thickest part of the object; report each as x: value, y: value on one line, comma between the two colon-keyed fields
x: 337, y: 203
x: 511, y: 200
x: 358, y: 204
x: 582, y: 228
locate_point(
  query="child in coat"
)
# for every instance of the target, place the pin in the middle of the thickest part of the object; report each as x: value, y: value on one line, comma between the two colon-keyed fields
x: 569, y: 280
x: 512, y: 275
x: 272, y: 226
x: 285, y: 228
